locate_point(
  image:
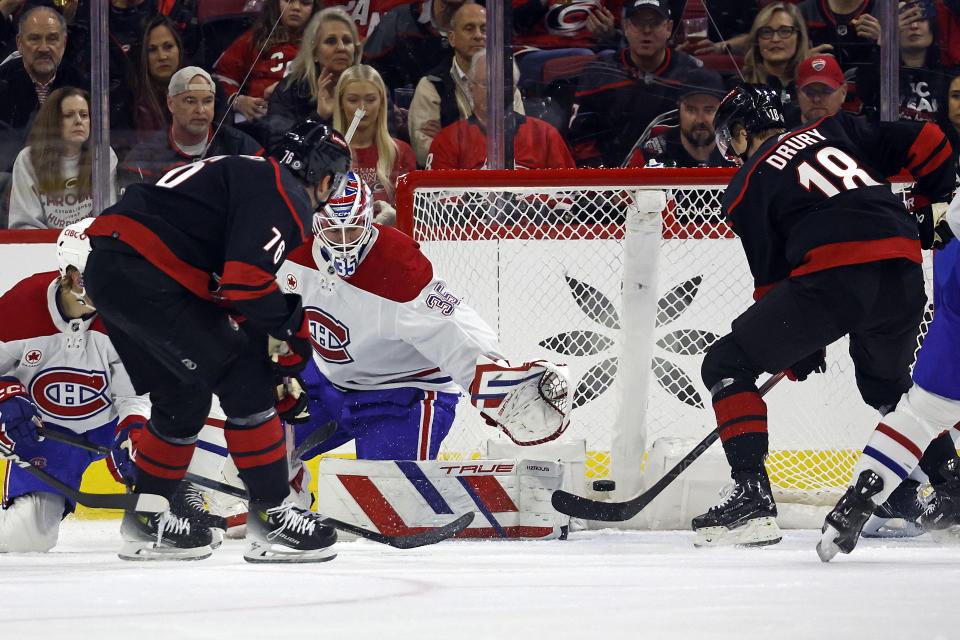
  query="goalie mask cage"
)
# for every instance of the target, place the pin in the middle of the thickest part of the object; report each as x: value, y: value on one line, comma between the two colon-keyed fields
x: 551, y: 259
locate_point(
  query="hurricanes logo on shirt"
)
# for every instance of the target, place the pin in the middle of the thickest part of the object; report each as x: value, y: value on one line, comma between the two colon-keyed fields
x: 329, y: 336
x: 70, y: 394
x: 567, y: 18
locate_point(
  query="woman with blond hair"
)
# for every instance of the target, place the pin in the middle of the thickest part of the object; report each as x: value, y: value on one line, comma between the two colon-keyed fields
x: 778, y: 44
x: 378, y: 158
x: 330, y: 44
x: 52, y: 176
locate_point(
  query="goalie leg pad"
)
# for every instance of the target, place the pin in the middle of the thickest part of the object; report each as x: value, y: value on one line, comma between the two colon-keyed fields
x: 31, y: 523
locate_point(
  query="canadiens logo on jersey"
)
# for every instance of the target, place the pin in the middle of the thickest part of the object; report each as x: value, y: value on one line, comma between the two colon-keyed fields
x: 330, y: 337
x: 70, y: 394
x: 32, y: 358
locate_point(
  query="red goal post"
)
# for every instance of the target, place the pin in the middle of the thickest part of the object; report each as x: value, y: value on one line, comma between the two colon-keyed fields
x: 544, y: 256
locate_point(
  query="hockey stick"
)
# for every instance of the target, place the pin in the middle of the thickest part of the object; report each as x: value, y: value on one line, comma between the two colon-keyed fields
x: 409, y: 541
x: 315, y: 439
x: 580, y: 507
x: 144, y: 502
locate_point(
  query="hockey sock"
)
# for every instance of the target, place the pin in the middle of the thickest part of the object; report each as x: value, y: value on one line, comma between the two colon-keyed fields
x: 936, y: 454
x: 742, y: 419
x: 260, y: 452
x: 161, y: 461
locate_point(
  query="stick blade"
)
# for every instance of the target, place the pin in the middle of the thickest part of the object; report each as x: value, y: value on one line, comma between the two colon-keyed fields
x: 409, y: 541
x: 579, y: 507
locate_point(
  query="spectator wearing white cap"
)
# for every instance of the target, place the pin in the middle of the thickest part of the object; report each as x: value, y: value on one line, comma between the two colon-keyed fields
x: 190, y: 136
x: 821, y: 88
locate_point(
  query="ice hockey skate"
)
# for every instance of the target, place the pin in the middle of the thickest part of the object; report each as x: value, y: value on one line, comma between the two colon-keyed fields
x: 189, y: 502
x: 841, y: 530
x: 288, y: 533
x: 942, y: 515
x: 897, y: 517
x: 163, y: 536
x: 747, y: 517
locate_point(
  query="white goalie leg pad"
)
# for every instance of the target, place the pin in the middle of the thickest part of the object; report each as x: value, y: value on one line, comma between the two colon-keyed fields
x: 530, y: 403
x: 511, y: 497
x: 894, y: 448
x: 31, y: 524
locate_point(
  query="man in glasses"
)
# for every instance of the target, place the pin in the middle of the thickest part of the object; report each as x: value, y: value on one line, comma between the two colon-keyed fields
x: 821, y: 88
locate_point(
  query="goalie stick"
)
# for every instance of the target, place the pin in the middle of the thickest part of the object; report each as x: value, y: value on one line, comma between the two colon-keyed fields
x: 410, y: 541
x: 580, y: 507
x: 144, y: 502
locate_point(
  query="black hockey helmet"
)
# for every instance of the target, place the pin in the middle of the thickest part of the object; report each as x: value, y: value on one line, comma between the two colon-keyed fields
x: 311, y: 150
x: 755, y: 107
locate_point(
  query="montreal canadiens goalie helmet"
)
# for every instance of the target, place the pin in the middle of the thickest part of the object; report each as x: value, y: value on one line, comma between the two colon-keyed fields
x: 73, y: 246
x: 344, y: 225
x: 755, y: 107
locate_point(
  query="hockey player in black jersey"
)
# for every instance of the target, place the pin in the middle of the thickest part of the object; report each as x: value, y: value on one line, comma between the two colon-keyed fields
x: 184, y: 276
x: 833, y: 252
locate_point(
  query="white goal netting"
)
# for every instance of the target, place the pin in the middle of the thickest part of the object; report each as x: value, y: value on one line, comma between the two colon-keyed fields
x: 544, y: 266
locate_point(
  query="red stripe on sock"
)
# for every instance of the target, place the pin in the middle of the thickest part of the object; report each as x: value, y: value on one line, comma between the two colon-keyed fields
x: 731, y: 410
x: 163, y: 459
x: 256, y: 446
x: 740, y: 428
x: 900, y: 439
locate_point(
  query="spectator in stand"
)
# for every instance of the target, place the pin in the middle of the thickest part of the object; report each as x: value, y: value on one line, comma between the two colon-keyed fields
x: 410, y: 40
x: 923, y: 84
x: 778, y: 42
x: 821, y: 88
x: 371, y: 13
x: 621, y: 92
x: 28, y: 80
x: 463, y: 144
x: 52, y: 176
x: 377, y: 158
x: 330, y: 45
x: 948, y: 32
x: 263, y: 52
x: 9, y: 11
x: 190, y: 136
x: 950, y: 117
x: 692, y: 143
x: 441, y: 97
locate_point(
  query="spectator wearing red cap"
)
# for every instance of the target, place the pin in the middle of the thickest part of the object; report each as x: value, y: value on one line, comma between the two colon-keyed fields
x: 821, y: 88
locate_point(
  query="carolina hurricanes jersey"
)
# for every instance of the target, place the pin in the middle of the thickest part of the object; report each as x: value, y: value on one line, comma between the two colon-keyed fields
x: 367, y: 13
x: 69, y: 366
x: 391, y: 324
x: 240, y: 57
x: 221, y: 228
x: 818, y: 197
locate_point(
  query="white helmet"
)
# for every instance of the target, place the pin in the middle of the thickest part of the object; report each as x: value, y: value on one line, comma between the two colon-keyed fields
x: 73, y: 246
x: 344, y: 224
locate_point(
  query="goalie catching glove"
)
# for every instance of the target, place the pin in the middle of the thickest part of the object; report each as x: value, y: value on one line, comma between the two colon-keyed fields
x: 529, y: 402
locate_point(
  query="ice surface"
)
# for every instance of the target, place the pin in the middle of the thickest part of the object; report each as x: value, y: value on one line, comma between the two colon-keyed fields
x: 596, y: 585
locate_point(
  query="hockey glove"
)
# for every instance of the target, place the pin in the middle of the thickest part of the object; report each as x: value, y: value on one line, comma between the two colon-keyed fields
x: 292, y: 400
x: 292, y: 356
x: 814, y: 363
x: 121, y: 461
x: 19, y: 417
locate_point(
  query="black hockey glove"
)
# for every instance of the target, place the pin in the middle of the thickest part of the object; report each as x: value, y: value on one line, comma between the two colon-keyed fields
x: 294, y: 351
x: 292, y: 400
x: 814, y: 363
x: 932, y: 225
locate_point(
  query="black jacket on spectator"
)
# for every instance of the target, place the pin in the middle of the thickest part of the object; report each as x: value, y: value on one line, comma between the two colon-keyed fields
x: 403, y: 49
x: 19, y: 104
x: 290, y: 103
x: 149, y: 160
x: 446, y: 87
x: 668, y: 148
x: 615, y: 102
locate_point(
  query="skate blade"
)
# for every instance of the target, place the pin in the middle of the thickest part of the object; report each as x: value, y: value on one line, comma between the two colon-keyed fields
x: 880, y: 527
x: 758, y: 532
x: 148, y: 551
x: 827, y: 548
x: 268, y: 553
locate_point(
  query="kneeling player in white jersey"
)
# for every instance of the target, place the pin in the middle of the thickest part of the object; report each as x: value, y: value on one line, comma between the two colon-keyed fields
x: 930, y: 408
x: 58, y: 366
x: 393, y: 348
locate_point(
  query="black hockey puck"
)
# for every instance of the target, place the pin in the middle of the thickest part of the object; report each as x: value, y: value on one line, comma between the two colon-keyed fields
x: 604, y: 485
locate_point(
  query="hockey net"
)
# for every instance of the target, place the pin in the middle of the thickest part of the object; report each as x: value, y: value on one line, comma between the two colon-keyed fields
x: 540, y: 255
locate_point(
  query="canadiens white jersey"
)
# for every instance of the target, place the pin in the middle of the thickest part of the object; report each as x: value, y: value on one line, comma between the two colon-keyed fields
x: 392, y: 323
x: 69, y: 366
